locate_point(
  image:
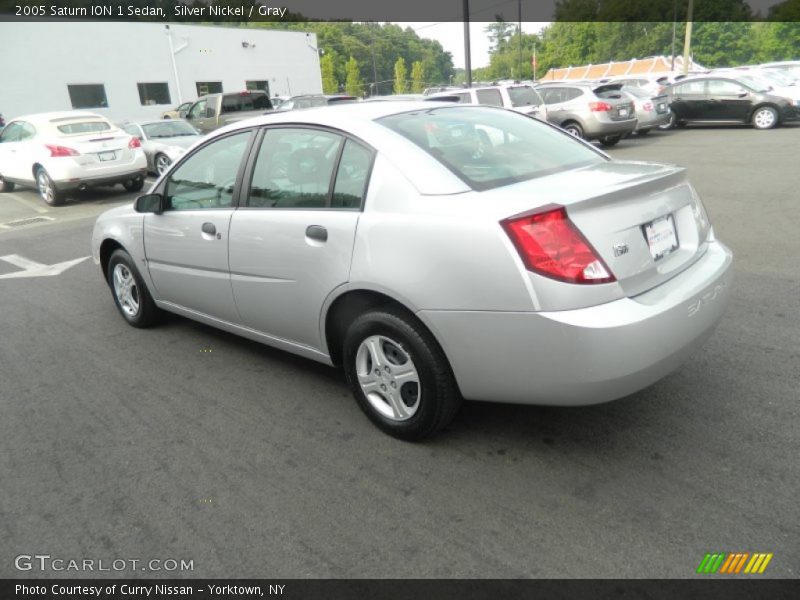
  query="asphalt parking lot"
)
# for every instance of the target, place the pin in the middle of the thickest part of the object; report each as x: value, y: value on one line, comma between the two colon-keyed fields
x: 184, y: 442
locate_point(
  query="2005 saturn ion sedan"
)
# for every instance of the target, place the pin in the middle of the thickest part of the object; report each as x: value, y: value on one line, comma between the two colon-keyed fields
x: 435, y: 251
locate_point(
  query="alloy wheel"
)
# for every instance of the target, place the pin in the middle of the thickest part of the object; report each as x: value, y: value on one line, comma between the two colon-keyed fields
x: 126, y: 291
x: 388, y: 377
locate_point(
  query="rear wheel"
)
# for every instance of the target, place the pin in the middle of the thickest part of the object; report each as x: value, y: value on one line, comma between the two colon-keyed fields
x: 399, y: 375
x: 133, y: 185
x: 765, y: 117
x: 130, y: 293
x: 610, y: 140
x: 669, y: 124
x: 47, y: 189
x: 6, y: 186
x: 573, y: 129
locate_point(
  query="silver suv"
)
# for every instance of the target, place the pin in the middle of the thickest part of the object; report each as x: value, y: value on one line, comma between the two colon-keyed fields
x: 589, y: 111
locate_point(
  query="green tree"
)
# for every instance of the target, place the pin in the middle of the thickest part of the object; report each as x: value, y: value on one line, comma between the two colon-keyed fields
x: 498, y: 32
x: 417, y: 77
x: 400, y: 73
x: 353, y: 84
x: 327, y: 67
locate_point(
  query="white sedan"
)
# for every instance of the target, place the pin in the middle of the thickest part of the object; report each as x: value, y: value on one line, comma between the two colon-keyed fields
x: 65, y: 151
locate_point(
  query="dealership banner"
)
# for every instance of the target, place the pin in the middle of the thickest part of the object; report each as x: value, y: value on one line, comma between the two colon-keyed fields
x: 405, y: 10
x: 400, y: 589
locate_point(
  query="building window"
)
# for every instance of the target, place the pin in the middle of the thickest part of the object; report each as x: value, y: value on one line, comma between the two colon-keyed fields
x: 153, y: 93
x: 209, y: 87
x: 257, y: 85
x: 92, y: 95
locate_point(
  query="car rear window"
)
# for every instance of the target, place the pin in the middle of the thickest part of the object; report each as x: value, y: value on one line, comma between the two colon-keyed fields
x: 77, y: 127
x: 245, y: 101
x: 522, y: 95
x: 489, y: 148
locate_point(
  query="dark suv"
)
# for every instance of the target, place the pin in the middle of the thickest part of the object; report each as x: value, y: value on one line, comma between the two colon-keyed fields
x: 589, y: 111
x: 726, y: 99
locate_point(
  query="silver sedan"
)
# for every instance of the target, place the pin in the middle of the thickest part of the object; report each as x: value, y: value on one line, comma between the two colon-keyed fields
x: 163, y: 141
x: 436, y: 252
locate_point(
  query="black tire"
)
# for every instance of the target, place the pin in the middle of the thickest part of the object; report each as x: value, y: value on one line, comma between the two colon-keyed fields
x: 669, y: 124
x: 573, y: 129
x: 146, y: 313
x: 764, y: 117
x: 134, y: 185
x: 6, y: 186
x: 610, y: 140
x: 47, y: 189
x: 437, y: 398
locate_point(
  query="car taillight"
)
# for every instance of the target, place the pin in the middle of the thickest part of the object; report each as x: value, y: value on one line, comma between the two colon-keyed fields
x: 61, y: 151
x: 549, y: 244
x: 648, y: 106
x: 134, y: 143
x: 600, y: 106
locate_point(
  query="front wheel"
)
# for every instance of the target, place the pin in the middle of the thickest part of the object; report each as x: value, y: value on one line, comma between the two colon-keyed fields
x: 610, y: 140
x: 130, y: 293
x: 47, y: 189
x: 162, y: 163
x: 399, y: 375
x: 765, y: 117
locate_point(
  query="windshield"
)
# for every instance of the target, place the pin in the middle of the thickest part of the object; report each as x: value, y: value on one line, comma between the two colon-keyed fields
x: 523, y: 95
x: 489, y: 147
x: 168, y: 129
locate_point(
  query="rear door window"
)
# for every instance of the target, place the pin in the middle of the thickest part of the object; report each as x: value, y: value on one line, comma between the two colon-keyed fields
x: 294, y: 168
x: 489, y: 97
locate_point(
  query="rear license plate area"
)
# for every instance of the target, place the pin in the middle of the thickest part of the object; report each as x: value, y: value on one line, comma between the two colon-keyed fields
x: 623, y: 112
x: 106, y: 156
x: 661, y: 236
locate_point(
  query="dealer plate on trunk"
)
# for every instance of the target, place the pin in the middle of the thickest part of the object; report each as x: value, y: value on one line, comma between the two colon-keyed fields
x: 623, y: 112
x: 104, y: 156
x: 661, y: 236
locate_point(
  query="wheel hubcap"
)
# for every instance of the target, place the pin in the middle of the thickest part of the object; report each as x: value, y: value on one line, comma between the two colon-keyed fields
x: 765, y: 118
x: 161, y: 164
x: 388, y: 378
x: 45, y: 189
x: 573, y: 132
x: 126, y: 291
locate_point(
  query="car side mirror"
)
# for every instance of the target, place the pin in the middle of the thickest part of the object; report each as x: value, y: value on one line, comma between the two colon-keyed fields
x: 149, y: 203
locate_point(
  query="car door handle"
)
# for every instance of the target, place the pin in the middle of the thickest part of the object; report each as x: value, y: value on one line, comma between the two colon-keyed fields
x: 317, y: 232
x: 209, y: 228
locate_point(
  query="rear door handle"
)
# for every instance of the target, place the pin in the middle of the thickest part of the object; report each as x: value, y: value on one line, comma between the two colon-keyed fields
x: 317, y: 232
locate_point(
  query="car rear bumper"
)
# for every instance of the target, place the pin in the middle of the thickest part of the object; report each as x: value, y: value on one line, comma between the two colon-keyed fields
x: 87, y: 182
x: 600, y: 129
x: 590, y: 355
x: 68, y: 174
x: 651, y: 119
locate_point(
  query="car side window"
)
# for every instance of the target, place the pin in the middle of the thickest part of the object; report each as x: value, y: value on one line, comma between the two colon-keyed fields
x: 463, y: 98
x: 133, y: 130
x: 552, y: 95
x: 490, y: 97
x: 11, y: 132
x: 691, y: 88
x: 724, y: 88
x: 198, y: 111
x: 206, y: 180
x: 572, y: 93
x: 351, y: 177
x: 294, y: 168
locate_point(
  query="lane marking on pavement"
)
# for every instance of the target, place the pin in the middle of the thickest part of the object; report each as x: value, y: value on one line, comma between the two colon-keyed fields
x: 26, y: 202
x: 31, y: 268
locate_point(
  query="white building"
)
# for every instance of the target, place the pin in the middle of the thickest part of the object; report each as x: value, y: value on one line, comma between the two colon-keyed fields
x: 138, y: 70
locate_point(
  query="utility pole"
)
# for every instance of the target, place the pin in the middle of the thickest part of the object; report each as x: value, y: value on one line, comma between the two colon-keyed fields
x: 467, y: 58
x: 687, y: 43
x: 519, y: 24
x: 674, y: 27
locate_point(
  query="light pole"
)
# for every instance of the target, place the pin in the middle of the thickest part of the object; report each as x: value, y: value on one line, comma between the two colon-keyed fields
x: 687, y: 43
x: 467, y: 58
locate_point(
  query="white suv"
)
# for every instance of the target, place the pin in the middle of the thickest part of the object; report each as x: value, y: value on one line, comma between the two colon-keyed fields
x: 60, y: 152
x: 518, y: 97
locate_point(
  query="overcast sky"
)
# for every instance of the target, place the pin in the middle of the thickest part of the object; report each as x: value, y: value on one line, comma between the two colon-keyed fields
x: 451, y: 37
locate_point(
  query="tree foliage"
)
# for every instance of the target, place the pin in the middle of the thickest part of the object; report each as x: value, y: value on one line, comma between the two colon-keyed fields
x: 400, y: 72
x: 353, y: 84
x: 417, y: 77
x: 327, y: 67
